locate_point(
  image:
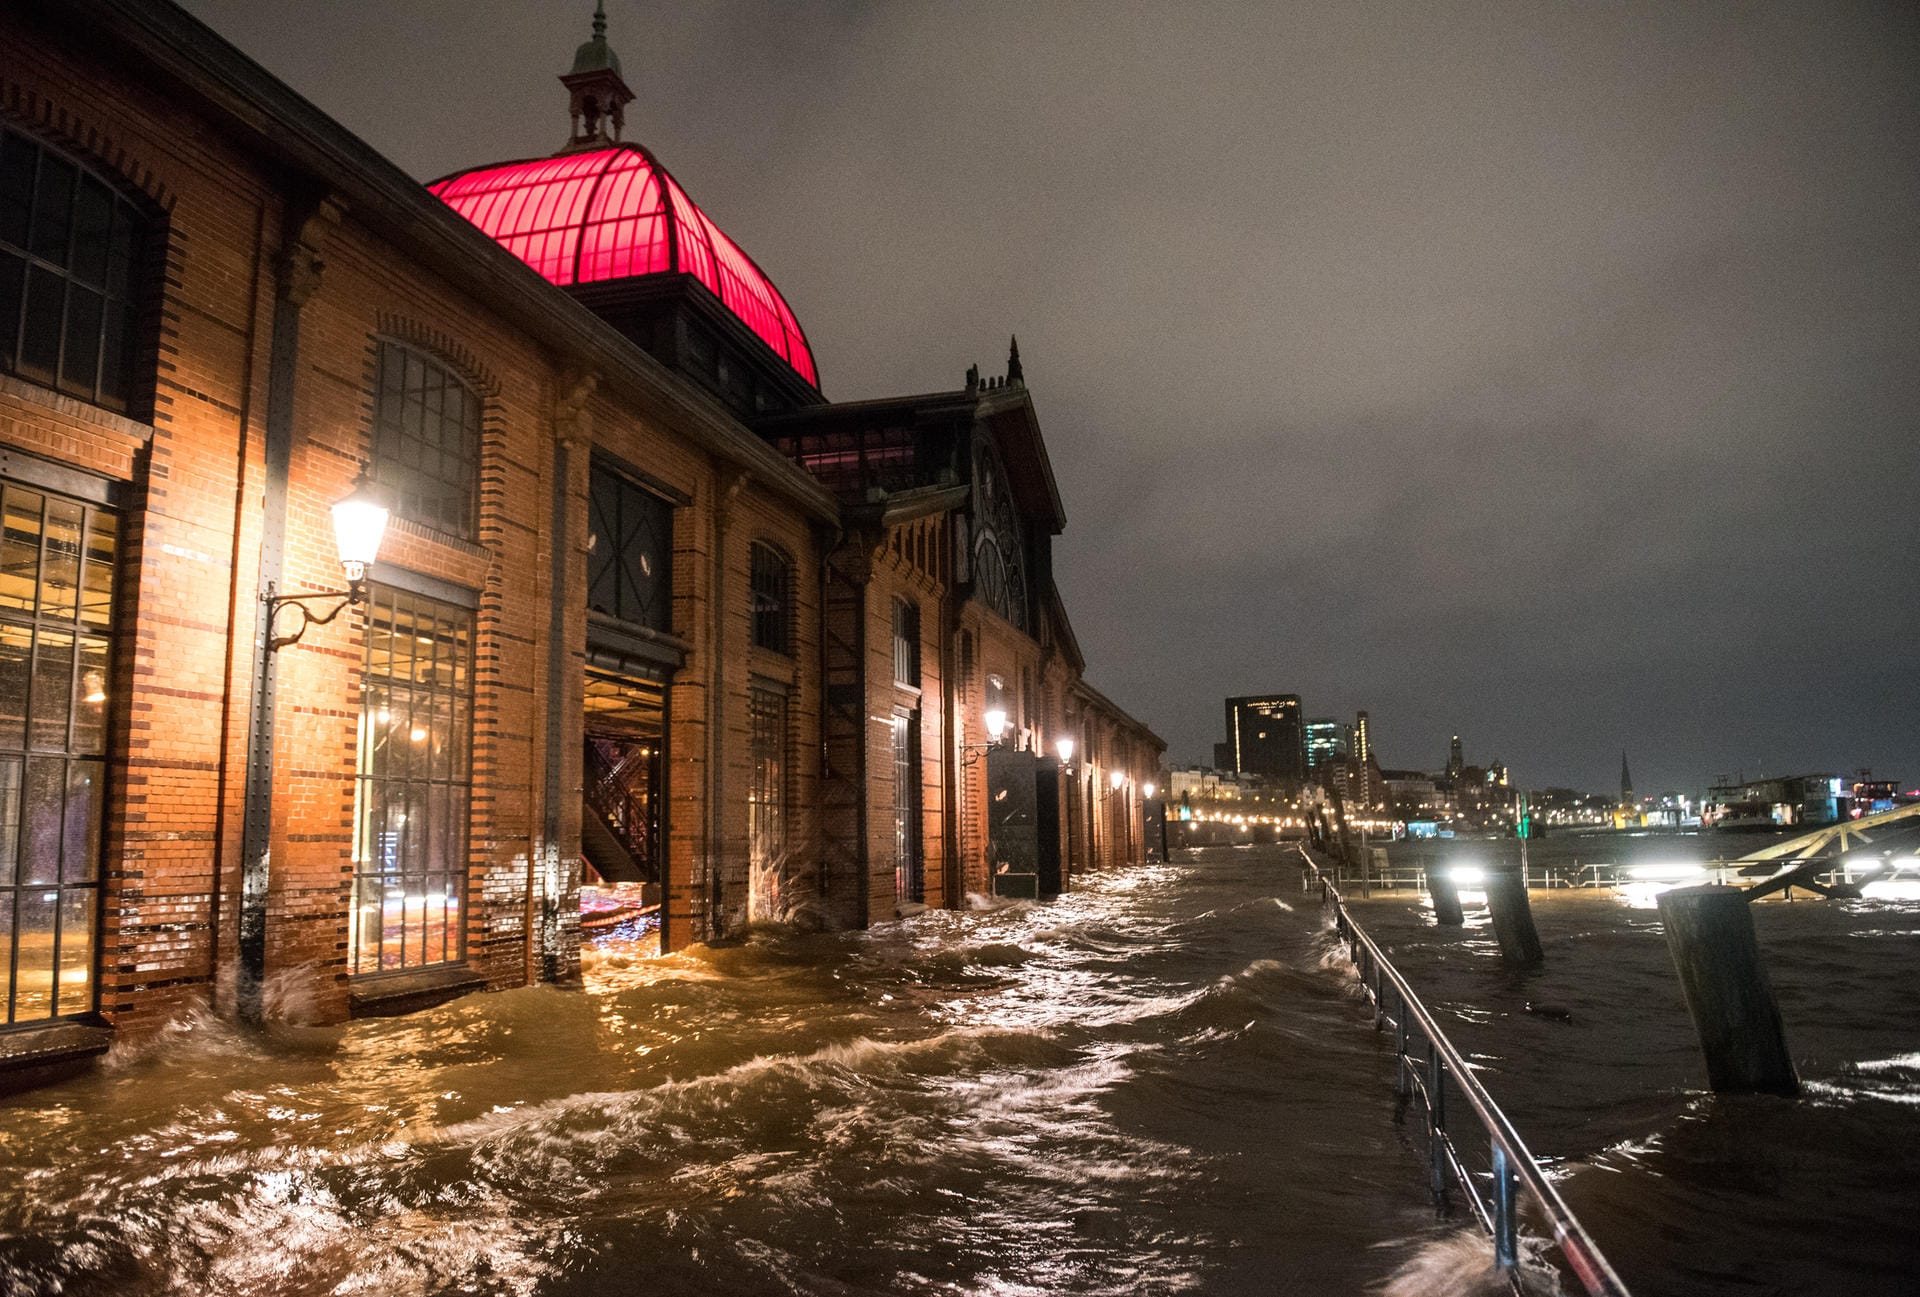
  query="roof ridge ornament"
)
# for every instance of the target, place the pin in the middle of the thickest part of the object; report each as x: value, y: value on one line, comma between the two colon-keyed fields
x: 597, y: 94
x: 1015, y: 374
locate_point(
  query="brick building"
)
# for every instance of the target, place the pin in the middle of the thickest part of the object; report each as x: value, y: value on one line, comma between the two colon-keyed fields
x: 648, y: 609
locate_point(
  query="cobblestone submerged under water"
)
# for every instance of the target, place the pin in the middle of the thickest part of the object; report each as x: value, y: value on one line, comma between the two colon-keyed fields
x: 1160, y: 1082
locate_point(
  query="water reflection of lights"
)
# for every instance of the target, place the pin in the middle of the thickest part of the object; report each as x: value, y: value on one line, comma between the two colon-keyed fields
x: 1670, y: 872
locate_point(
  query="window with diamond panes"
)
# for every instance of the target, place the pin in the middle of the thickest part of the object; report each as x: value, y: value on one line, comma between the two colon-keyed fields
x: 772, y: 598
x: 413, y: 784
x: 56, y: 600
x: 69, y: 241
x: 629, y: 552
x: 426, y: 439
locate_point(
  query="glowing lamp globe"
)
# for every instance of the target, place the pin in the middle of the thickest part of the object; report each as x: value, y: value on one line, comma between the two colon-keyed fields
x: 996, y: 719
x: 1065, y: 748
x: 359, y: 525
x: 1146, y: 789
x: 1117, y: 778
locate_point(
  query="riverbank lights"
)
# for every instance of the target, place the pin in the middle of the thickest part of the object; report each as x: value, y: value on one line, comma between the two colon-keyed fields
x: 1146, y: 789
x: 1117, y: 778
x: 1064, y: 746
x: 996, y: 719
x: 359, y: 525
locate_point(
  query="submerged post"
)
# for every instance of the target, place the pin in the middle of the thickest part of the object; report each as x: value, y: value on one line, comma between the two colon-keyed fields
x: 1513, y: 916
x: 1710, y: 935
x: 1446, y: 897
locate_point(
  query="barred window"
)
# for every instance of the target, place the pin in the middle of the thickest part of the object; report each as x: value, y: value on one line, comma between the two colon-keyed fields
x: 767, y: 796
x: 426, y: 439
x: 629, y: 551
x: 69, y: 241
x: 56, y: 598
x: 906, y: 643
x: 414, y: 782
x: 772, y: 580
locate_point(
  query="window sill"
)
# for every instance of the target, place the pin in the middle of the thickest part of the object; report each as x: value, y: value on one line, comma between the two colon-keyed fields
x: 386, y: 995
x: 31, y: 1056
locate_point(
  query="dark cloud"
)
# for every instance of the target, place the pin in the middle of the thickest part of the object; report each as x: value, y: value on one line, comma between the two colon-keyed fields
x: 1541, y: 372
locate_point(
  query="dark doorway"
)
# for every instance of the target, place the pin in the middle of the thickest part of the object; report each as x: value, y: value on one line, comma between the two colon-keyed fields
x: 1012, y: 840
x: 1046, y: 816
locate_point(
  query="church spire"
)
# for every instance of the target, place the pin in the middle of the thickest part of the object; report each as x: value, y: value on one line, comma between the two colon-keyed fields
x: 1015, y: 374
x: 597, y: 95
x: 1626, y: 781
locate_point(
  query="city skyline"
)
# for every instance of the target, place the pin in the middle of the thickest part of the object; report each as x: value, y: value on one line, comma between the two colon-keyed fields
x: 1476, y: 373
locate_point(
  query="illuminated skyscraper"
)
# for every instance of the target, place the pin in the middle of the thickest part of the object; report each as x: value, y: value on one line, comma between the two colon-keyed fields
x: 1265, y: 736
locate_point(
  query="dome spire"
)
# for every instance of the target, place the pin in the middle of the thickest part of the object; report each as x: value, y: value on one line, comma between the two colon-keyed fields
x: 597, y: 95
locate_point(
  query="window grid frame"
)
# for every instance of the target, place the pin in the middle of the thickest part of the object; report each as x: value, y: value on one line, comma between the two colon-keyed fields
x: 421, y: 495
x: 770, y: 729
x: 124, y: 212
x: 14, y: 889
x: 770, y: 597
x: 655, y: 610
x: 457, y: 811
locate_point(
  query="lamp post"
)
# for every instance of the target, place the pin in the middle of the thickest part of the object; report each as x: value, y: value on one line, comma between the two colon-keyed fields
x: 995, y: 719
x: 359, y: 525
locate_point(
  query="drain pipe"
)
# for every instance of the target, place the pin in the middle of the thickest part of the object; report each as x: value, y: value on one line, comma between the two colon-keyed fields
x: 728, y: 479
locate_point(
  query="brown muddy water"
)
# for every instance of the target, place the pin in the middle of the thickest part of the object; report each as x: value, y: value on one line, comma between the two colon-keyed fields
x: 1158, y: 1083
x: 1595, y: 1059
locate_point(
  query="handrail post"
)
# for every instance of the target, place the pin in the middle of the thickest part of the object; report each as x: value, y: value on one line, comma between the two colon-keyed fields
x: 1402, y: 1080
x: 1506, y: 1242
x: 1437, y: 1120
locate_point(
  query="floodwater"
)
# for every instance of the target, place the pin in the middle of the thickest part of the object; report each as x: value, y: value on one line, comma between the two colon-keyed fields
x: 1159, y: 1083
x: 1594, y: 1058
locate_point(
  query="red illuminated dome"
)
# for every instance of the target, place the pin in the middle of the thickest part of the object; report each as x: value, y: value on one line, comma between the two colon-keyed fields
x: 602, y: 210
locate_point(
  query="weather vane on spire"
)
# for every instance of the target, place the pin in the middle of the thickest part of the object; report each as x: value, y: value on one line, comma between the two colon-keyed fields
x: 597, y: 95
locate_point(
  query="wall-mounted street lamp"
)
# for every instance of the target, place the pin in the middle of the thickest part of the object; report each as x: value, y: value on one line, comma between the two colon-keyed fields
x: 359, y: 525
x: 995, y: 718
x: 1115, y: 779
x: 1064, y: 746
x: 1146, y: 789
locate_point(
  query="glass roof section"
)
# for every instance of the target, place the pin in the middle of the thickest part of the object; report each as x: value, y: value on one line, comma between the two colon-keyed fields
x: 615, y: 213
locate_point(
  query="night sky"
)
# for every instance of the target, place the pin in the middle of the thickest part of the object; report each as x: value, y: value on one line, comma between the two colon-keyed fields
x: 1543, y: 372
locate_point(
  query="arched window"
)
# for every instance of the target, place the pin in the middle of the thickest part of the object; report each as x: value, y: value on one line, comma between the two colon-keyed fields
x: 771, y: 575
x: 69, y: 244
x: 906, y: 643
x: 998, y: 577
x: 426, y: 439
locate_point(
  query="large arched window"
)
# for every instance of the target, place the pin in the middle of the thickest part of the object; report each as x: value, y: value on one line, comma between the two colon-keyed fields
x: 69, y: 243
x: 999, y: 576
x: 426, y: 439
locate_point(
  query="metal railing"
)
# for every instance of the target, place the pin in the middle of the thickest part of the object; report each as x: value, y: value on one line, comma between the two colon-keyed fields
x: 1426, y: 1075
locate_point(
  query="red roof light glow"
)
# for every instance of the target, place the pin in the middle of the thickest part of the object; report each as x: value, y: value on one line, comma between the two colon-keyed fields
x: 615, y: 213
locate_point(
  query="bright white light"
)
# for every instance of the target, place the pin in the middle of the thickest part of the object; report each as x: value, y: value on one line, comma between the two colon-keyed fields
x: 1064, y: 746
x: 359, y: 524
x: 1666, y: 872
x: 1117, y: 778
x: 996, y: 719
x: 1146, y: 789
x: 1892, y: 889
x: 1467, y: 874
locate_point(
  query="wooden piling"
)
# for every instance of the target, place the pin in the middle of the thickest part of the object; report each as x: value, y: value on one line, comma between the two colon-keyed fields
x: 1710, y: 935
x: 1512, y: 916
x: 1446, y: 897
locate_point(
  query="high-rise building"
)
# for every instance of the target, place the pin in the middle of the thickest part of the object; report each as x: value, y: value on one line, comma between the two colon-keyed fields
x: 1265, y: 736
x: 1455, y: 762
x: 1327, y: 741
x: 1362, y: 742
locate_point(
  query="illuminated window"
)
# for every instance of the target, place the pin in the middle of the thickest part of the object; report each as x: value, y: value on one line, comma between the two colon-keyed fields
x: 767, y: 795
x: 56, y: 598
x: 414, y: 782
x: 426, y: 439
x: 772, y: 598
x: 69, y: 241
x: 629, y: 551
x: 909, y: 869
